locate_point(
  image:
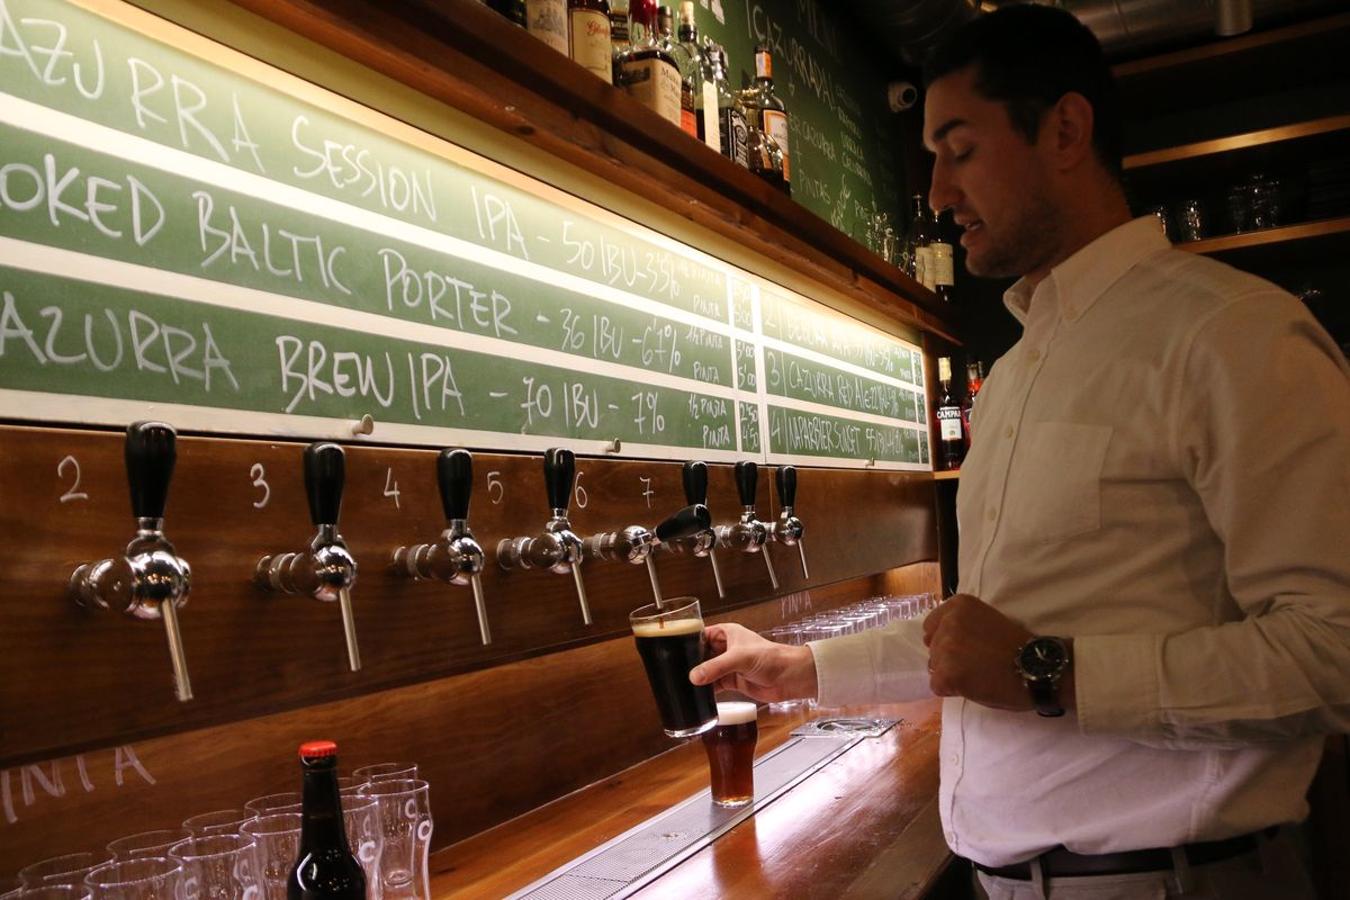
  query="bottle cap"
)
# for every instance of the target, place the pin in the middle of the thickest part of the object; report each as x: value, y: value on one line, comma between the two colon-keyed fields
x: 317, y: 749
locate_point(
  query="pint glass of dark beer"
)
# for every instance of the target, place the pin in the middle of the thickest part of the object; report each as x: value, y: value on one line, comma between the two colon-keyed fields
x: 670, y: 642
x: 731, y: 753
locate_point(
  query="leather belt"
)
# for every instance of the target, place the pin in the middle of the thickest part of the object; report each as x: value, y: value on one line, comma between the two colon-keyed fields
x: 1061, y: 863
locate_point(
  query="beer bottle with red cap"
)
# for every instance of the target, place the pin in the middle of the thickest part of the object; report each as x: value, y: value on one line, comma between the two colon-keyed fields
x: 325, y: 867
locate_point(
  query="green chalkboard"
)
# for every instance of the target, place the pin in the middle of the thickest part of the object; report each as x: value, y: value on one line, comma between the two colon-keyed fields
x: 842, y: 134
x: 176, y: 230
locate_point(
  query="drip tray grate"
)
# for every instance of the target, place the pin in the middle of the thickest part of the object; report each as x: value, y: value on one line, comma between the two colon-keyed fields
x: 642, y: 854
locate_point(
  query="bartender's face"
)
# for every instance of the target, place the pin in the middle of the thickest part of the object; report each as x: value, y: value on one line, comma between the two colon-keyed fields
x: 994, y: 180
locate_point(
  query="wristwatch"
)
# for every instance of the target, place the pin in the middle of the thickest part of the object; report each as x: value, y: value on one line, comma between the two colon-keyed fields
x: 1042, y: 662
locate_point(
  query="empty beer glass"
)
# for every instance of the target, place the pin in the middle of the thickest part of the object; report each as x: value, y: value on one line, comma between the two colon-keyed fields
x: 143, y: 878
x: 670, y: 641
x: 219, y: 867
x: 278, y: 840
x: 404, y: 810
x: 68, y: 870
x: 731, y: 753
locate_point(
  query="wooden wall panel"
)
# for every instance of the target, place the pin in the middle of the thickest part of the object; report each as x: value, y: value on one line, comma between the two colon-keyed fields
x: 72, y: 679
x: 494, y: 743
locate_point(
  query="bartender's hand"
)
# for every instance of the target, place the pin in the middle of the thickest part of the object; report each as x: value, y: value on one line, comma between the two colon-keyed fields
x: 972, y: 649
x: 758, y: 668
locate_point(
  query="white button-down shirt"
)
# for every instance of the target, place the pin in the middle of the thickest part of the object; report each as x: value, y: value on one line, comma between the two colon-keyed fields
x: 1161, y: 470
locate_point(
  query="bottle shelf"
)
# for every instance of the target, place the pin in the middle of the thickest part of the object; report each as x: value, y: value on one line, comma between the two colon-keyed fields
x: 1266, y: 137
x: 946, y: 474
x: 1269, y: 237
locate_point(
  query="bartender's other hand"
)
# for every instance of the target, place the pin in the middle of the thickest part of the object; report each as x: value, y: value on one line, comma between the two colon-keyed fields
x: 764, y: 670
x: 971, y: 653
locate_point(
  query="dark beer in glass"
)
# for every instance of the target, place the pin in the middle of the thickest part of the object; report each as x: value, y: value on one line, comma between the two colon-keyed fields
x: 670, y: 642
x: 731, y: 753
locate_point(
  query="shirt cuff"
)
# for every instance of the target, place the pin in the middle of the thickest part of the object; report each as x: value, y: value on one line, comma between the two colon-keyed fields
x: 1116, y: 683
x: 845, y: 672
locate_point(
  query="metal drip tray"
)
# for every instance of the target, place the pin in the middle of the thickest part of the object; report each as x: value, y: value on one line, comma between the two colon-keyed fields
x: 846, y: 727
x: 642, y: 854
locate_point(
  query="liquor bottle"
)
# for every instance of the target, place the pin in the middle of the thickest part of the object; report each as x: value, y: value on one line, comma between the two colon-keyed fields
x: 648, y: 71
x: 588, y: 27
x: 618, y: 35
x: 974, y: 381
x: 325, y: 868
x: 920, y: 235
x: 688, y: 114
x: 510, y: 9
x: 766, y: 112
x: 951, y: 440
x: 941, y: 271
x: 726, y: 130
x: 691, y: 57
x: 547, y: 20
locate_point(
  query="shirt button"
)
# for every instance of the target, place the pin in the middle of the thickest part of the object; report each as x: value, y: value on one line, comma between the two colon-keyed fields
x: 1035, y: 355
x: 1009, y: 432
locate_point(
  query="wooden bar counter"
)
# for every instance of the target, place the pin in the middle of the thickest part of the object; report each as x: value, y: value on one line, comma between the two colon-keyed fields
x: 864, y: 825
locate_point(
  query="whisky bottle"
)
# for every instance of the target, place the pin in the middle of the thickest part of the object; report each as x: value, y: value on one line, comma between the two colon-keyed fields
x: 726, y: 130
x: 589, y: 30
x: 547, y: 20
x: 920, y: 236
x: 688, y: 115
x: 767, y: 113
x: 647, y: 70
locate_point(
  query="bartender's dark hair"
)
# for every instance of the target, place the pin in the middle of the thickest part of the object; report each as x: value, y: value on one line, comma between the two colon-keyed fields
x: 1028, y: 56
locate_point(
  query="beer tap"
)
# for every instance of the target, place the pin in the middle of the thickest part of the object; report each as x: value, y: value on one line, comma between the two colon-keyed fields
x: 456, y: 558
x: 325, y: 570
x: 788, y: 529
x: 749, y: 534
x: 149, y: 580
x: 558, y: 549
x: 636, y: 543
x: 700, y: 543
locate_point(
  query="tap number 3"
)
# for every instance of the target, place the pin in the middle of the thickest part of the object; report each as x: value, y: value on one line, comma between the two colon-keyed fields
x: 74, y: 492
x: 259, y: 476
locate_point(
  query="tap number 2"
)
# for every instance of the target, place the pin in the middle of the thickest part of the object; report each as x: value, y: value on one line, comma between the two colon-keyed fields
x: 391, y: 486
x: 259, y: 476
x: 74, y: 492
x: 647, y: 491
x: 496, y: 490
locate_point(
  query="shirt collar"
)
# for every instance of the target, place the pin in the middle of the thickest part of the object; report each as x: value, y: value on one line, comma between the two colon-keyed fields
x: 1083, y: 277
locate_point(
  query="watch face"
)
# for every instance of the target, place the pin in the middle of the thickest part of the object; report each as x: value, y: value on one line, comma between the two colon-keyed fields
x: 1043, y: 658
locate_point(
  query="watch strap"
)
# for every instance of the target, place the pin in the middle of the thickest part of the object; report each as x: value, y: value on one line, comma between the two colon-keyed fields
x: 1045, y: 697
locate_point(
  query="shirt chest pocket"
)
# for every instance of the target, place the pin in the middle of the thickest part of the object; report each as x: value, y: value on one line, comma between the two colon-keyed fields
x: 1054, y: 486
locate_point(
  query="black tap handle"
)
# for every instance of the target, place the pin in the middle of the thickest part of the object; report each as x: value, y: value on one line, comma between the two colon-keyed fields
x: 695, y: 482
x: 151, y: 452
x: 560, y: 467
x: 690, y: 520
x: 786, y: 476
x: 454, y: 474
x: 325, y: 473
x: 747, y: 476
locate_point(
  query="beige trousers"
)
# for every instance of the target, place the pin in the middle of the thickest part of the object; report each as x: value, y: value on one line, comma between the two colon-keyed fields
x: 1271, y: 872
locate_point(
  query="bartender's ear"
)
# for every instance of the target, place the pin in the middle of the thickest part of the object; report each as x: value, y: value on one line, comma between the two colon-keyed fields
x: 1067, y: 130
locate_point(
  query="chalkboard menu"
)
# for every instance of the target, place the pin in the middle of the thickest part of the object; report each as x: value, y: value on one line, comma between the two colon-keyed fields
x: 842, y: 134
x: 189, y: 233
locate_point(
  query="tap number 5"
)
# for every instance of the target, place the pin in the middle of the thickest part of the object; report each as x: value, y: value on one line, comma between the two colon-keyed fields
x: 496, y: 490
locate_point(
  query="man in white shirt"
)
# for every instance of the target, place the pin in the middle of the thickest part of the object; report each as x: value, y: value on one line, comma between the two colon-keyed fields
x: 1155, y: 522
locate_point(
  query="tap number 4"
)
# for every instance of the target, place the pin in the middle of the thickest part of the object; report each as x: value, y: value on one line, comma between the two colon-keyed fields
x: 391, y: 486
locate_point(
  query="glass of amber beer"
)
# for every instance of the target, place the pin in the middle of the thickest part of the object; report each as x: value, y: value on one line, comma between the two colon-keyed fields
x: 670, y: 641
x: 731, y: 753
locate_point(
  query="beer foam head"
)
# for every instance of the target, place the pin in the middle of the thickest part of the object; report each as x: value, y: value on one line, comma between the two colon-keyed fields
x: 736, y: 712
x: 667, y: 629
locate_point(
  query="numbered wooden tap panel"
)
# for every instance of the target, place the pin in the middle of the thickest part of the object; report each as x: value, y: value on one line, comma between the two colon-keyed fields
x: 72, y: 678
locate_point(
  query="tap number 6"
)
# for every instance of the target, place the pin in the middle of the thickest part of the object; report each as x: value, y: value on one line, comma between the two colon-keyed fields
x: 580, y: 492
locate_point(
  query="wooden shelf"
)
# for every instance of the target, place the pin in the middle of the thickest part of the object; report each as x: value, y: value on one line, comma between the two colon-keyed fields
x: 1331, y: 125
x: 950, y: 475
x: 1234, y: 68
x: 1304, y: 231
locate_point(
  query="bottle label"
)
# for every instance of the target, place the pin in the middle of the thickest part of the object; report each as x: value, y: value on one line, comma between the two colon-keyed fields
x: 949, y: 419
x: 735, y: 136
x: 547, y: 20
x: 923, y: 261
x: 712, y: 132
x: 776, y: 126
x: 590, y: 42
x: 941, y: 258
x: 688, y: 115
x: 763, y: 65
x: 655, y: 84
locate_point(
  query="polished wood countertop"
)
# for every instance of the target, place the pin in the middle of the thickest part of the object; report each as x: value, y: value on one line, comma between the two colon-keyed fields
x: 865, y: 825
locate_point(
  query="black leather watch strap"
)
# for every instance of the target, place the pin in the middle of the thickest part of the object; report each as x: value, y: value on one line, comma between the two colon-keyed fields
x: 1045, y: 696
